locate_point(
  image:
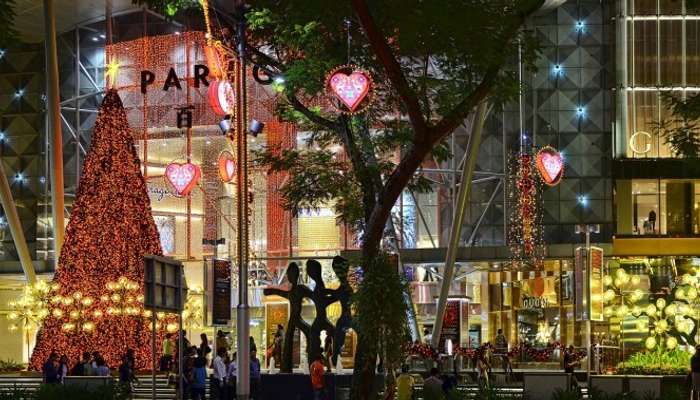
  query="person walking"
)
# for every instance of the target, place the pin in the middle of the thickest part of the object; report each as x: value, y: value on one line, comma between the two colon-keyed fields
x: 279, y: 344
x: 199, y: 378
x: 126, y: 376
x: 432, y: 387
x: 204, y: 348
x: 483, y: 368
x: 166, y: 359
x: 404, y: 384
x: 221, y: 341
x: 502, y: 351
x: 62, y: 368
x: 695, y: 374
x: 219, y: 382
x: 50, y: 369
x: 231, y: 376
x: 318, y: 370
x: 255, y: 376
x: 102, y: 368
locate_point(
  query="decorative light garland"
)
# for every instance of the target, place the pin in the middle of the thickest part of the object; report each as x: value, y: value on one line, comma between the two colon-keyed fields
x: 352, y: 86
x: 525, y: 237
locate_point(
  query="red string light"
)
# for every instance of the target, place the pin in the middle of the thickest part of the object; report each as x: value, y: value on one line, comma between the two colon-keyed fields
x: 110, y: 230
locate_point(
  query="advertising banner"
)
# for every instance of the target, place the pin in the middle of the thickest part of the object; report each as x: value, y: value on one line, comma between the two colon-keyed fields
x: 451, y: 324
x: 221, y: 302
x: 580, y: 284
x: 595, y: 284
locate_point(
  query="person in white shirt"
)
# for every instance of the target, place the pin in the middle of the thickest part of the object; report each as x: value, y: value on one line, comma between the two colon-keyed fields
x: 231, y: 374
x: 220, y: 373
x: 427, y: 337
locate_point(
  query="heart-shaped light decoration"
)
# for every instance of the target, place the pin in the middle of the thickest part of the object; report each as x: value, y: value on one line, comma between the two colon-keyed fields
x: 221, y: 97
x: 350, y: 85
x: 227, y: 166
x: 182, y: 177
x: 550, y: 164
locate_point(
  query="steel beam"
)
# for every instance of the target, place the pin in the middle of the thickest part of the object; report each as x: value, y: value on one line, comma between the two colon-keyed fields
x: 8, y: 204
x: 459, y: 213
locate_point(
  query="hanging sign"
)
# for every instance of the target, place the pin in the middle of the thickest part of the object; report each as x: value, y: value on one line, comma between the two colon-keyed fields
x: 550, y: 164
x: 451, y: 324
x: 182, y: 177
x: 595, y: 283
x: 220, y: 94
x: 221, y: 310
x: 227, y: 167
x: 350, y: 85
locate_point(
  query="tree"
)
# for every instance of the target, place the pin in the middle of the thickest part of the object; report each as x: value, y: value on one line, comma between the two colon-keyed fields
x: 432, y: 64
x: 680, y: 130
x: 97, y: 305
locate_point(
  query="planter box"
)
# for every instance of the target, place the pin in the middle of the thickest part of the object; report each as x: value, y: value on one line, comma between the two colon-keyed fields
x: 654, y: 386
x: 542, y: 385
x: 608, y: 384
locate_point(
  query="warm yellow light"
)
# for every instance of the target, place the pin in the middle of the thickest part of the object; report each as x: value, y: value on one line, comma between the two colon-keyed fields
x: 670, y: 310
x: 68, y: 326
x: 622, y: 311
x: 171, y: 328
x: 67, y: 301
x: 650, y: 342
x: 97, y: 313
x: 650, y: 310
x: 609, y: 295
x: 660, y: 303
x: 671, y: 343
x: 87, y: 301
x: 692, y: 293
x: 642, y: 325
x: 116, y: 297
x: 74, y: 314
x: 88, y: 326
x: 57, y: 312
x: 635, y: 280
x: 636, y: 310
x: 607, y: 280
x: 620, y: 273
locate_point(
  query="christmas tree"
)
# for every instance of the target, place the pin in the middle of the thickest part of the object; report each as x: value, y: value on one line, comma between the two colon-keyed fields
x: 99, y: 279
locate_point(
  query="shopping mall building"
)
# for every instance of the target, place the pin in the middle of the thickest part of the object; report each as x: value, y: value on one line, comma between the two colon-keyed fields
x: 596, y: 97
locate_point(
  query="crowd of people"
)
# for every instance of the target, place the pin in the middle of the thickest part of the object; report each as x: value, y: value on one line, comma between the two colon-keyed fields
x: 56, y: 368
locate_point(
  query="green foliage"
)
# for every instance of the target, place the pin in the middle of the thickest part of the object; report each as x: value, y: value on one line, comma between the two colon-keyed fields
x: 8, y: 34
x: 168, y: 7
x: 61, y: 392
x: 657, y: 362
x: 569, y: 394
x: 380, y: 311
x: 680, y: 130
x: 10, y: 365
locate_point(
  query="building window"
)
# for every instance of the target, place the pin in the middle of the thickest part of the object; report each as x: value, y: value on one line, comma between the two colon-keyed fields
x: 658, y: 207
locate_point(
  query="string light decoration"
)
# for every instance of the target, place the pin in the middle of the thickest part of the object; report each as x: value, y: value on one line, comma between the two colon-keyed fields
x: 31, y: 308
x: 526, y: 234
x: 668, y: 320
x: 123, y: 297
x: 351, y: 85
x: 550, y: 164
x: 110, y: 230
x: 182, y: 177
x: 193, y: 314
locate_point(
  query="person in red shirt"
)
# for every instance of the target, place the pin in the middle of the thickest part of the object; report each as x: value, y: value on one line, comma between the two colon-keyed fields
x: 318, y: 369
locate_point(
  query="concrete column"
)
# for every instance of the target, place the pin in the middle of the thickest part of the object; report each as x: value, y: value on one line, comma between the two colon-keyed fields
x: 53, y: 109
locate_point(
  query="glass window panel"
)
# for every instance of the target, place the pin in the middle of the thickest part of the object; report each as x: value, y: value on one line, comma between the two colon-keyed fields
x: 645, y: 53
x: 671, y: 48
x: 692, y: 39
x: 643, y: 7
x: 645, y: 211
x: 665, y: 114
x: 642, y: 140
x: 670, y: 7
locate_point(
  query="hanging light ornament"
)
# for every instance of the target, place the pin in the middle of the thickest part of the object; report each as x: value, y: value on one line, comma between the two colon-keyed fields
x: 227, y: 166
x: 351, y: 86
x: 213, y: 49
x: 550, y: 164
x: 182, y: 177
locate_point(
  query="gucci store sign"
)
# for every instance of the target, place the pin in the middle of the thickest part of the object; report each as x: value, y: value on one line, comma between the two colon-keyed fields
x: 531, y: 303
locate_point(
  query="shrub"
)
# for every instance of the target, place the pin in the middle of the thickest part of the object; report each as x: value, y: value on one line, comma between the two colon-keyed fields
x: 657, y: 362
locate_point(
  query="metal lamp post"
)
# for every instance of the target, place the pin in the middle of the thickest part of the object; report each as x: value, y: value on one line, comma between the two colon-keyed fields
x: 587, y: 230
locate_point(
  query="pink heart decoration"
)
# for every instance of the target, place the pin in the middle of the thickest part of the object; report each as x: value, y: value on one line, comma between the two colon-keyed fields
x: 350, y: 89
x: 550, y: 164
x: 182, y: 177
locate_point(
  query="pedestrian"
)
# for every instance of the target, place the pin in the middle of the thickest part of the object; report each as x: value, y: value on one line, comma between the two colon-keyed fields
x: 219, y: 382
x: 93, y: 364
x: 570, y: 362
x: 502, y: 351
x: 695, y: 374
x: 187, y: 370
x: 221, y: 341
x: 166, y: 359
x: 50, y: 369
x: 432, y: 387
x: 231, y: 376
x: 328, y: 351
x: 199, y: 378
x: 204, y: 348
x: 126, y: 375
x: 404, y: 384
x: 279, y: 343
x: 318, y: 369
x: 102, y: 368
x: 253, y: 347
x: 255, y: 377
x: 483, y: 367
x: 185, y: 343
x: 62, y: 368
x: 82, y: 367
x: 427, y: 337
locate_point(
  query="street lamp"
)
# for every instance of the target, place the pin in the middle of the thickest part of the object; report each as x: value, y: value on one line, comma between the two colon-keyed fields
x: 587, y: 229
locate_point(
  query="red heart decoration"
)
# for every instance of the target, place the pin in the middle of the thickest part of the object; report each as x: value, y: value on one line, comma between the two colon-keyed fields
x: 227, y: 166
x: 182, y: 177
x: 550, y: 164
x: 350, y: 89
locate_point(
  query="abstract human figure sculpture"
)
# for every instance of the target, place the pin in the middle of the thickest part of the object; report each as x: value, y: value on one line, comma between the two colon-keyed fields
x: 295, y: 295
x: 322, y: 298
x: 343, y: 294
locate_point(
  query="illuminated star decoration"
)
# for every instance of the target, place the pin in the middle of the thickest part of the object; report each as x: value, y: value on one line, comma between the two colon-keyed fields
x: 111, y: 73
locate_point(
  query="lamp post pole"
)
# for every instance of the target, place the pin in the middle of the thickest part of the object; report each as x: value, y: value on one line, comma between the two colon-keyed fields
x: 243, y: 312
x: 587, y: 230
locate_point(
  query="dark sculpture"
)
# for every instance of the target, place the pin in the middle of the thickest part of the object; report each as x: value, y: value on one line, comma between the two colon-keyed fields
x: 295, y: 295
x: 322, y: 298
x: 343, y: 294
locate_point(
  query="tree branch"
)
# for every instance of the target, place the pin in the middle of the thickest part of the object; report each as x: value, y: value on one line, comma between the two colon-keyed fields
x: 310, y: 115
x: 392, y: 67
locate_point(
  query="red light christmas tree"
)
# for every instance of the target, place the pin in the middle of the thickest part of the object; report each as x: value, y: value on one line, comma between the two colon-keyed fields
x: 99, y: 305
